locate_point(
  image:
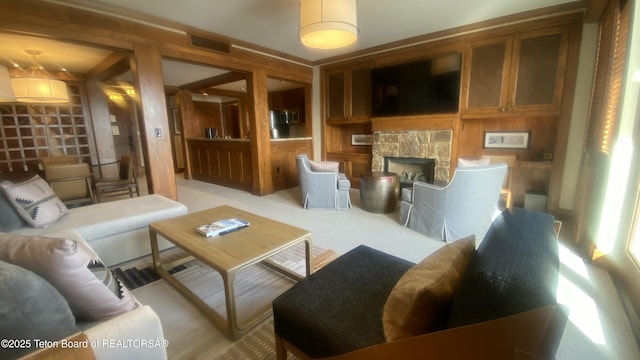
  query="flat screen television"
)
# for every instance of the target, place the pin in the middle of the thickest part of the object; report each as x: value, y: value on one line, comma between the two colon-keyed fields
x: 416, y: 88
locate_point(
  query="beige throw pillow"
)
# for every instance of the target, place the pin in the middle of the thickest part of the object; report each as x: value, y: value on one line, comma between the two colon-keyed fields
x: 324, y: 166
x: 35, y: 201
x: 473, y: 162
x: 420, y: 301
x: 74, y: 270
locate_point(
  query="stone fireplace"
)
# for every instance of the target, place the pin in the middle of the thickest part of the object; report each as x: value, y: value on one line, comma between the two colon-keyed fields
x: 419, y: 144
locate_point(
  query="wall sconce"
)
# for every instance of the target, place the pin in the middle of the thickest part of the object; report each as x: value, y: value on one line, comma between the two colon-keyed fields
x: 116, y: 97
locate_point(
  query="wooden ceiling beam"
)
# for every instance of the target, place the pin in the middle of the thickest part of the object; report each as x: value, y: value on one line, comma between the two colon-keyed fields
x: 113, y: 65
x: 214, y: 81
x: 594, y: 10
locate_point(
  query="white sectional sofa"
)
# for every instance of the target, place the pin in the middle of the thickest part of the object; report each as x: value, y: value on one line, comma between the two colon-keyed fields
x: 117, y: 231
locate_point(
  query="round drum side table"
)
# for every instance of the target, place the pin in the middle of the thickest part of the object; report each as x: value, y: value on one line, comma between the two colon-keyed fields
x: 379, y: 191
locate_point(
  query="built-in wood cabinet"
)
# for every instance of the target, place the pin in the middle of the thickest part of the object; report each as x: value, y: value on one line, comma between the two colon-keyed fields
x: 515, y: 74
x: 223, y: 162
x: 352, y: 165
x: 516, y: 77
x: 348, y: 95
x: 347, y: 101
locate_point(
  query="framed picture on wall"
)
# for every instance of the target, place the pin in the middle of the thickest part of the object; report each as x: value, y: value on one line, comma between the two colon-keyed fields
x: 506, y: 139
x: 361, y: 139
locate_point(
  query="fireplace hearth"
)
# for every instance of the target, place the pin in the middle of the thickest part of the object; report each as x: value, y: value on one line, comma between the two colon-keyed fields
x: 410, y: 169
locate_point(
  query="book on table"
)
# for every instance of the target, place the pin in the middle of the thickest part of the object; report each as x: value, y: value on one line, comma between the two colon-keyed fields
x: 221, y: 227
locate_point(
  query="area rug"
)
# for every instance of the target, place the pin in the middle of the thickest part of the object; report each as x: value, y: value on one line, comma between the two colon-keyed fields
x: 259, y: 343
x: 256, y: 282
x: 138, y: 273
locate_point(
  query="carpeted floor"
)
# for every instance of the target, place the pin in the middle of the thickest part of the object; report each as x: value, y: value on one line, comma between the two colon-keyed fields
x: 258, y: 344
x: 597, y: 328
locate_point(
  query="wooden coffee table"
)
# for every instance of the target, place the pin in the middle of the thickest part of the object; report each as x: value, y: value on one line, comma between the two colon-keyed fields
x: 228, y: 254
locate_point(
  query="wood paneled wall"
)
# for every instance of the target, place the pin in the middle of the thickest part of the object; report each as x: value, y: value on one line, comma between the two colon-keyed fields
x: 205, y: 115
x: 149, y: 44
x: 224, y: 162
x: 541, y: 139
x: 284, y: 170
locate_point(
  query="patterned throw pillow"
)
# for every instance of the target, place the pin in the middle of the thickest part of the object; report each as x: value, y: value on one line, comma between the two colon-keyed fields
x: 71, y: 266
x: 9, y: 218
x: 35, y: 201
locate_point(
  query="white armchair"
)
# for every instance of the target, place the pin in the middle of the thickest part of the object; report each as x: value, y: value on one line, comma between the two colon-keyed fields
x: 322, y: 189
x: 463, y: 207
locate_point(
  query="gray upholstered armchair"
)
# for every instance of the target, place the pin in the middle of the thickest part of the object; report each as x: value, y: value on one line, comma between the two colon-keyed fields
x: 463, y: 207
x: 322, y: 189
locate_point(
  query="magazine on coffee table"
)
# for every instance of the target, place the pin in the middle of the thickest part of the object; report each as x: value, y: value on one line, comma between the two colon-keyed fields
x: 222, y: 227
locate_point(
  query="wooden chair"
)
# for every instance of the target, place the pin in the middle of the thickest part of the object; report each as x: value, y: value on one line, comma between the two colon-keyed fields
x: 127, y: 181
x: 72, y: 183
x: 531, y: 335
x: 58, y: 160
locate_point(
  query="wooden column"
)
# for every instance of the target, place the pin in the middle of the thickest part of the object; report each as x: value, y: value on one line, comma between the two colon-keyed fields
x: 260, y: 138
x: 146, y: 69
x: 189, y: 128
x: 101, y: 130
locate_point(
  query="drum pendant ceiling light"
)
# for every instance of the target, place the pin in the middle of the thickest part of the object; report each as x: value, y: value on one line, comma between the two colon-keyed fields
x: 6, y: 90
x: 34, y: 86
x: 328, y: 24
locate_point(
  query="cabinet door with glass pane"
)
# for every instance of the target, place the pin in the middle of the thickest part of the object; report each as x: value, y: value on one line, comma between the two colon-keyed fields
x: 486, y: 76
x: 360, y: 95
x: 348, y: 96
x: 335, y: 94
x: 518, y: 74
x: 538, y: 69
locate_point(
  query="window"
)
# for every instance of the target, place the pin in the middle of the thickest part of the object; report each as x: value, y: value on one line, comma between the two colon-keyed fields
x: 30, y: 131
x: 608, y: 83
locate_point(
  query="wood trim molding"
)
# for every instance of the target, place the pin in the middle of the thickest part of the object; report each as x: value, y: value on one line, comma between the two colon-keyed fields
x: 552, y: 11
x: 594, y: 10
x: 147, y: 20
x: 414, y: 122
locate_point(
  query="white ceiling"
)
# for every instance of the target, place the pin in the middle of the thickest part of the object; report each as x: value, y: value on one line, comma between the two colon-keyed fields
x: 268, y: 23
x: 274, y: 23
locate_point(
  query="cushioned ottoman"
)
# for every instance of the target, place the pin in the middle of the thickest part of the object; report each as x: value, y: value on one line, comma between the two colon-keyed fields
x: 361, y: 280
